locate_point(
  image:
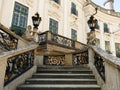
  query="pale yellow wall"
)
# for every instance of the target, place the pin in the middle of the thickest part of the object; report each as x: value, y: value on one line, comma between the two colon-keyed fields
x: 1, y: 3
x: 113, y: 26
x: 62, y: 14
x: 8, y: 7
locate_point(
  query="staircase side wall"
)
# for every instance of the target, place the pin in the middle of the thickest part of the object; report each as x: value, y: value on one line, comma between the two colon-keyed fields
x: 112, y: 69
x: 20, y: 80
x: 2, y: 71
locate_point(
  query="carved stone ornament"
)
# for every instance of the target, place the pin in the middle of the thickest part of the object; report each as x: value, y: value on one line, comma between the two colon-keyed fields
x: 29, y: 2
x: 91, y: 38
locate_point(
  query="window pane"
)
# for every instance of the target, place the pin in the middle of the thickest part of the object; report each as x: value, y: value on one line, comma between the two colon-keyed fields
x: 73, y: 6
x: 73, y: 9
x: 20, y: 15
x: 117, y: 47
x: 17, y: 7
x: 73, y: 34
x: 107, y: 46
x: 15, y: 19
x: 57, y: 1
x: 24, y: 10
x: 106, y: 28
x: 53, y: 26
x: 97, y: 42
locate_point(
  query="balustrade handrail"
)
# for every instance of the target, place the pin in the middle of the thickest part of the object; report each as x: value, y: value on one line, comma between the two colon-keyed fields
x: 17, y: 51
x: 80, y: 52
x: 43, y: 32
x: 18, y: 62
x: 109, y: 58
x: 9, y: 40
x: 100, y: 58
x: 61, y: 36
x: 43, y: 37
x: 8, y: 31
x: 54, y: 55
x: 67, y: 38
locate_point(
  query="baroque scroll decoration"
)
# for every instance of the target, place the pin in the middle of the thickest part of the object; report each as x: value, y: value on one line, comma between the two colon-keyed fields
x: 80, y: 58
x: 18, y: 64
x: 7, y: 42
x: 54, y: 60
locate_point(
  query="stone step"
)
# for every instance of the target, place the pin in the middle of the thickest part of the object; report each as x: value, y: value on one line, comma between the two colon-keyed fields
x: 60, y: 81
x: 61, y: 78
x: 63, y: 67
x: 63, y: 75
x: 63, y: 71
x: 58, y: 87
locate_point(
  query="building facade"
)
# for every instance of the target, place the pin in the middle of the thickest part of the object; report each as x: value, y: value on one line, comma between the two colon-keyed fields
x: 65, y: 17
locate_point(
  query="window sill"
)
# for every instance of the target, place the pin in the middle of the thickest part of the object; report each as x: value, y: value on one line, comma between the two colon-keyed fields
x: 107, y: 33
x: 54, y: 4
x: 97, y: 30
x: 74, y: 16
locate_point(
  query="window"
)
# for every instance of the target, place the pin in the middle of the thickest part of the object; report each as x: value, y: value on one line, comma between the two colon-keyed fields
x: 97, y: 42
x: 73, y: 9
x: 106, y: 29
x: 19, y: 21
x: 73, y: 34
x: 53, y: 26
x: 97, y: 26
x: 117, y: 47
x: 57, y: 1
x: 107, y: 46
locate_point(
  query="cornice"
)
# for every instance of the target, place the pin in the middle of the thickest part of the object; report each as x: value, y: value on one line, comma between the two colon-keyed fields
x: 106, y: 11
x: 108, y: 1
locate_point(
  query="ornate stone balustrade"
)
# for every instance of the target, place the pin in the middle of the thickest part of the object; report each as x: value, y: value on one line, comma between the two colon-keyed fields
x: 80, y: 58
x: 66, y: 59
x: 58, y: 40
x: 15, y: 63
x: 54, y: 60
x: 100, y: 66
x: 62, y: 40
x: 42, y: 38
x: 106, y: 68
x: 18, y: 64
x: 7, y: 41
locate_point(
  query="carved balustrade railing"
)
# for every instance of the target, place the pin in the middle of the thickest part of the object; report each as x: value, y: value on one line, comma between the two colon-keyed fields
x: 100, y: 66
x: 17, y: 65
x: 54, y: 60
x: 42, y: 38
x: 7, y: 42
x: 58, y: 39
x: 80, y: 58
x: 49, y: 37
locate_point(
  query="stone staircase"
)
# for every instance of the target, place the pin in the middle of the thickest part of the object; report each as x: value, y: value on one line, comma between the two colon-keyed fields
x: 61, y: 78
